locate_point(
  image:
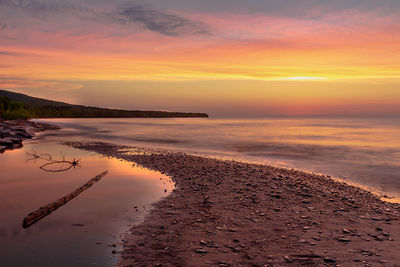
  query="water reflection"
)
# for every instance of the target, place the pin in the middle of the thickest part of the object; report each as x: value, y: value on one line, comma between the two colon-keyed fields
x: 79, y: 233
x: 51, y: 164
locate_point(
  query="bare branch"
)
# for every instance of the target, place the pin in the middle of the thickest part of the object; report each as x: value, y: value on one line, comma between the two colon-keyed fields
x: 50, y: 162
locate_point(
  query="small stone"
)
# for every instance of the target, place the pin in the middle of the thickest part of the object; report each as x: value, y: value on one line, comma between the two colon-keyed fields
x: 288, y: 260
x: 329, y: 260
x: 366, y: 253
x: 343, y: 239
x: 201, y: 251
x: 345, y: 231
x: 204, y: 243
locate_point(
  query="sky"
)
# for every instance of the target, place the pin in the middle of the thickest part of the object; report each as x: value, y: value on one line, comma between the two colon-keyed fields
x: 228, y: 58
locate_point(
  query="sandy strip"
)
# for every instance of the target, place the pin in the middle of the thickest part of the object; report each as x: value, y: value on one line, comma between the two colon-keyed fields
x: 227, y: 213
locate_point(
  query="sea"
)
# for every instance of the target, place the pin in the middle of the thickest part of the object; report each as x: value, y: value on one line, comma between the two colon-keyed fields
x: 362, y: 151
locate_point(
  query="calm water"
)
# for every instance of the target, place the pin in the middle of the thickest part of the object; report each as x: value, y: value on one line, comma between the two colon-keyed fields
x: 80, y: 233
x: 364, y: 151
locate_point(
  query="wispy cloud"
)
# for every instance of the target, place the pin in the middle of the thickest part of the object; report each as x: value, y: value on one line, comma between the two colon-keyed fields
x: 6, y: 53
x: 3, y: 25
x: 161, y: 22
x: 123, y: 12
x: 10, y: 82
x: 45, y: 6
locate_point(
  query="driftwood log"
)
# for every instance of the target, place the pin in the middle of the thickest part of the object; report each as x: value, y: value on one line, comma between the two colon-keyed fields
x: 42, y: 212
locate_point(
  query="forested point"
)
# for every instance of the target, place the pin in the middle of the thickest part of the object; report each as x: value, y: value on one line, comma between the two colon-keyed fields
x: 12, y: 110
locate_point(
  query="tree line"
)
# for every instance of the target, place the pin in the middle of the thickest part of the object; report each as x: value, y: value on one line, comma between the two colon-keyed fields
x: 12, y: 110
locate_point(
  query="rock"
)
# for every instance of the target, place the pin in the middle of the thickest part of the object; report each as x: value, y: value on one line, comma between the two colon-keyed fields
x: 20, y: 132
x: 6, y: 142
x: 201, y: 251
x: 312, y: 255
x: 345, y: 231
x: 288, y: 260
x: 344, y: 240
x: 329, y: 260
x: 366, y: 253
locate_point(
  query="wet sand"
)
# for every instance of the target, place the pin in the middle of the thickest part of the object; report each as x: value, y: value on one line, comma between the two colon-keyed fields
x: 227, y: 213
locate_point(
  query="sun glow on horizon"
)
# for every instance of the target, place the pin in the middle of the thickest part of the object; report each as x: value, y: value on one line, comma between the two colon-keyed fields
x: 303, y: 78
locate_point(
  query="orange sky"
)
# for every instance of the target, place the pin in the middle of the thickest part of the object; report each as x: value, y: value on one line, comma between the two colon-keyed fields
x: 340, y: 60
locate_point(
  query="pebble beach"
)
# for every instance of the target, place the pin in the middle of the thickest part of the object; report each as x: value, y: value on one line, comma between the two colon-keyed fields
x: 229, y: 213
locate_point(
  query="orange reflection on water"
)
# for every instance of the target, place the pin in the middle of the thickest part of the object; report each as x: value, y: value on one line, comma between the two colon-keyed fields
x: 120, y: 198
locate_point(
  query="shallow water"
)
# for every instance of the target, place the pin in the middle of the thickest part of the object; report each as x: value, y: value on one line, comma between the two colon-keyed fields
x: 364, y: 151
x: 80, y: 233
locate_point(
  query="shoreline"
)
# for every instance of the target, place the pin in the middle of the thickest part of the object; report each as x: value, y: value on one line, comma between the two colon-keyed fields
x: 228, y: 213
x: 381, y: 194
x: 14, y: 132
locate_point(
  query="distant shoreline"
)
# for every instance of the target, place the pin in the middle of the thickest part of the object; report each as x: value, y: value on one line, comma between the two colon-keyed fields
x: 21, y: 106
x: 229, y: 213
